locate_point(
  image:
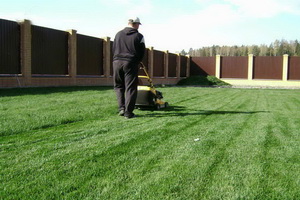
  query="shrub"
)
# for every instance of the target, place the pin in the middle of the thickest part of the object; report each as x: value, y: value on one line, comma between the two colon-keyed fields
x: 202, y: 81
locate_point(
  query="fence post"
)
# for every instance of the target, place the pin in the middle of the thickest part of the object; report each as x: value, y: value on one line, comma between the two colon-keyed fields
x: 218, y: 65
x: 26, y: 50
x: 250, y: 66
x: 178, y: 65
x: 285, y: 68
x: 106, y: 56
x: 72, y: 40
x: 166, y: 60
x: 151, y: 61
x: 188, y: 66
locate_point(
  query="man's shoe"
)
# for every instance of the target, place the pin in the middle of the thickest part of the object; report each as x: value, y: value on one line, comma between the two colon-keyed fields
x: 121, y: 113
x: 129, y: 116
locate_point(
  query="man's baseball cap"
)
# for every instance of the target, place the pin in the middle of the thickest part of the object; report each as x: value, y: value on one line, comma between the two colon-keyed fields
x: 135, y: 20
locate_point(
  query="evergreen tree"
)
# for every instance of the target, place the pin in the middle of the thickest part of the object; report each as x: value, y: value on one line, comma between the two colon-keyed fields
x: 276, y: 45
x: 191, y: 52
x: 183, y: 52
x: 277, y: 48
x: 297, y: 48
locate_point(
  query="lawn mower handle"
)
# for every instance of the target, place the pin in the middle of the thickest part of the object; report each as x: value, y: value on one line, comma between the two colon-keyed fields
x: 147, y: 75
x: 144, y: 68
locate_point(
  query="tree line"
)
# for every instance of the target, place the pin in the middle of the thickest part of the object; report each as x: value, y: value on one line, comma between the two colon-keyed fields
x: 276, y: 48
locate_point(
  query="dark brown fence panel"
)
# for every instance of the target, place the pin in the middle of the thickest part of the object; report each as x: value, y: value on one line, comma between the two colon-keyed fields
x: 234, y: 67
x: 9, y: 47
x: 89, y: 55
x: 265, y: 67
x: 49, y: 51
x: 183, y: 64
x: 294, y: 68
x: 145, y: 62
x: 158, y: 68
x: 203, y: 66
x: 172, y: 65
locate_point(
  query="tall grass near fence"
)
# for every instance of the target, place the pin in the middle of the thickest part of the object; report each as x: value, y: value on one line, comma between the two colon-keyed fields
x: 212, y: 143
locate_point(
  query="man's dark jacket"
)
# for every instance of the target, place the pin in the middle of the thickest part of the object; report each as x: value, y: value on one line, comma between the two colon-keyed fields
x: 129, y: 45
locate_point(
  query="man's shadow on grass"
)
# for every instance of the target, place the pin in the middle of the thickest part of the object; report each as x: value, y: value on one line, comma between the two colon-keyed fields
x: 182, y: 111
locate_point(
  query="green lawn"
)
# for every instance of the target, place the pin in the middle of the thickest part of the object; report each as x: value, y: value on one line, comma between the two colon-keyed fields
x: 211, y: 143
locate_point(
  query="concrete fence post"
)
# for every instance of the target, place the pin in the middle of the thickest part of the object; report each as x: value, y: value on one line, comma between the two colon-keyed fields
x: 106, y: 56
x: 218, y: 66
x: 26, y: 68
x: 178, y: 66
x: 285, y: 68
x: 250, y: 66
x: 166, y: 64
x: 151, y: 61
x: 72, y: 41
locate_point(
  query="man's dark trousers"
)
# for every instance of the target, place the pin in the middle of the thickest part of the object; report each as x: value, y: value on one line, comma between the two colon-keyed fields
x: 125, y: 84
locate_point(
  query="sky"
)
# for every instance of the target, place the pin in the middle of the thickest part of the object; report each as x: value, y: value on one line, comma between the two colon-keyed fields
x: 172, y: 25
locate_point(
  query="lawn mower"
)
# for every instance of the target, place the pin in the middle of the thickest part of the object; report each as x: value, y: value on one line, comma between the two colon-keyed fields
x: 148, y: 96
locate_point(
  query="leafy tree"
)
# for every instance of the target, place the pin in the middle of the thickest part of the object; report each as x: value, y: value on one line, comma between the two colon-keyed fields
x: 264, y: 50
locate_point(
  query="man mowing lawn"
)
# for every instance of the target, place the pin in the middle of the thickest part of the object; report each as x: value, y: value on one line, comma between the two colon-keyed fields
x: 128, y: 50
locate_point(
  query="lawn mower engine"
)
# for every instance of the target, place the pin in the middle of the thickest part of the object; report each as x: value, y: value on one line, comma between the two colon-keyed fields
x: 148, y: 96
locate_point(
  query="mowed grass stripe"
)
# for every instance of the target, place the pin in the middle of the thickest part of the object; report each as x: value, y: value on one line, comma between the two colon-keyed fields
x: 209, y: 182
x: 153, y: 162
x: 280, y: 166
x: 188, y: 125
x: 155, y: 155
x: 230, y: 176
x: 154, y: 131
x: 40, y: 111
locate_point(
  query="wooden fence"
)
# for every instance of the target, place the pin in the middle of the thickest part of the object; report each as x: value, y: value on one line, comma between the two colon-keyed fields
x: 34, y: 56
x: 250, y: 68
